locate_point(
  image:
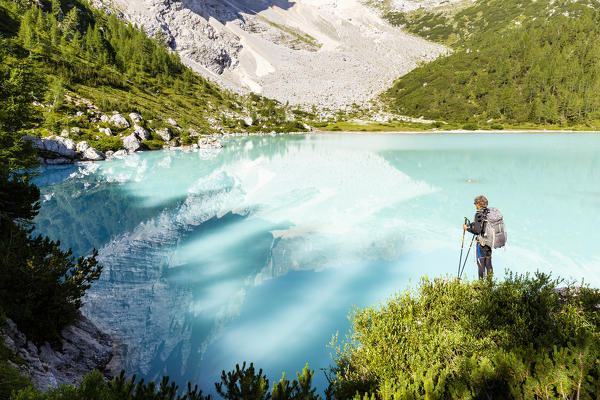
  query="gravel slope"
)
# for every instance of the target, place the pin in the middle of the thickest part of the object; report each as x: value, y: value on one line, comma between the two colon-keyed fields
x: 329, y: 53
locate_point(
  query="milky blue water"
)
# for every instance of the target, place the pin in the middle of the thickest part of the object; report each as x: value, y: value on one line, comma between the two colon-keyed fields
x: 258, y: 251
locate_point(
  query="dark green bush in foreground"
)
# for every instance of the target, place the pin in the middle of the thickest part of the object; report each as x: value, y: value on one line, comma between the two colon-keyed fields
x: 516, y: 339
x: 240, y: 384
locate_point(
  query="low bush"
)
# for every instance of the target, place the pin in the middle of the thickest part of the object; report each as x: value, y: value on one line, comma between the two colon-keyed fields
x: 518, y: 339
x: 107, y: 143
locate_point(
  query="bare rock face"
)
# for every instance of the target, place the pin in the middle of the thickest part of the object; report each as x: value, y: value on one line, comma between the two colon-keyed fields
x: 330, y: 53
x: 83, y: 349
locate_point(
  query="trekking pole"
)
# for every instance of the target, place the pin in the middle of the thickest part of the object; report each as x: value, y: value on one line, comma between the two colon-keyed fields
x: 466, y: 258
x: 461, y: 250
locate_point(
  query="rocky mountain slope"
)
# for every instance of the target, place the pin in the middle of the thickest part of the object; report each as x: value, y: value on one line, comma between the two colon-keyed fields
x: 330, y: 53
x: 83, y: 349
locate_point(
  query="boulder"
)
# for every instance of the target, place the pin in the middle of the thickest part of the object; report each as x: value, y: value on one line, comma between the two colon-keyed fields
x: 193, y: 132
x: 119, y: 120
x: 76, y: 131
x: 248, y: 121
x: 91, y: 154
x: 82, y: 146
x: 131, y: 143
x: 135, y: 117
x: 69, y: 143
x: 104, y: 118
x: 141, y: 132
x: 50, y: 148
x: 209, y: 142
x: 171, y: 121
x: 64, y: 133
x: 165, y: 134
x: 79, y: 114
x: 120, y: 154
x: 106, y: 131
x: 109, y: 154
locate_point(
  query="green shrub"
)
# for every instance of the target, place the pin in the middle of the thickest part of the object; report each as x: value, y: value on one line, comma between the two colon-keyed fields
x: 154, y: 144
x: 450, y: 339
x: 336, y: 128
x: 497, y: 127
x: 107, y: 143
x: 470, y: 126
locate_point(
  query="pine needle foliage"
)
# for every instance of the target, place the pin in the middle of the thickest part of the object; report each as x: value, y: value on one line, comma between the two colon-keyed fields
x: 517, y: 62
x: 516, y: 339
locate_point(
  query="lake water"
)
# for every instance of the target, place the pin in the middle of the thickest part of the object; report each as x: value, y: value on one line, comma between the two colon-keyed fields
x: 258, y: 252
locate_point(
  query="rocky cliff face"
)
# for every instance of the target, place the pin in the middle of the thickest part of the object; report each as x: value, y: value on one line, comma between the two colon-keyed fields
x: 330, y: 53
x: 84, y: 348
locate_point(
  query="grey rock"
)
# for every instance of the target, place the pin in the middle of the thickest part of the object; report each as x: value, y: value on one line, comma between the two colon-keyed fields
x: 104, y: 118
x: 109, y: 154
x: 50, y: 148
x: 141, y: 132
x: 209, y: 142
x: 91, y: 154
x: 248, y: 121
x: 106, y: 131
x: 135, y: 117
x: 68, y: 143
x: 165, y: 134
x: 84, y: 348
x: 119, y: 120
x: 193, y: 132
x: 76, y: 131
x: 79, y: 114
x: 120, y: 154
x: 82, y: 146
x: 171, y: 121
x: 64, y: 133
x: 131, y: 143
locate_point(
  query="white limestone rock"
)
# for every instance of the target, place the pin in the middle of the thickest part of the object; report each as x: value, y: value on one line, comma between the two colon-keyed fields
x: 82, y: 146
x: 119, y: 121
x: 165, y: 134
x: 141, y: 132
x: 91, y: 154
x: 135, y: 117
x: 131, y: 143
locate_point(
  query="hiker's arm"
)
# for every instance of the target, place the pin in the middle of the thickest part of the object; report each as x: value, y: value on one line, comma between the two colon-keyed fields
x: 477, y: 224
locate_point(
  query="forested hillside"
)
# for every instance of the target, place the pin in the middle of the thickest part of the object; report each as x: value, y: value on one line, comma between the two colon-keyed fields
x: 85, y: 59
x: 518, y: 63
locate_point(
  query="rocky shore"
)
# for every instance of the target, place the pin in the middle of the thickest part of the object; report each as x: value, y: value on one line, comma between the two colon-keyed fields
x: 84, y: 348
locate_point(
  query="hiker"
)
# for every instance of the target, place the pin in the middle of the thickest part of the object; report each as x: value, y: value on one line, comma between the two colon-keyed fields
x: 484, y: 250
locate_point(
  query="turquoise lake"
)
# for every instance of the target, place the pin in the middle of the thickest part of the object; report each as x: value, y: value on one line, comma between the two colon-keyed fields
x: 257, y: 252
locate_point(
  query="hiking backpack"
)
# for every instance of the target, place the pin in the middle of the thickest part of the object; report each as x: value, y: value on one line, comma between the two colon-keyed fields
x: 494, y: 233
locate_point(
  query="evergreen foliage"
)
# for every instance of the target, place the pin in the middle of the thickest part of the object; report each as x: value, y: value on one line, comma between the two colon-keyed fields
x: 41, y: 286
x: 516, y: 63
x: 240, y: 384
x: 79, y: 51
x: 517, y: 339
